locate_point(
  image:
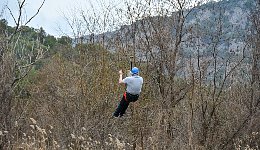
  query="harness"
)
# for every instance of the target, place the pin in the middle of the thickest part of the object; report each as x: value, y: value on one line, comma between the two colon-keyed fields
x: 132, y: 97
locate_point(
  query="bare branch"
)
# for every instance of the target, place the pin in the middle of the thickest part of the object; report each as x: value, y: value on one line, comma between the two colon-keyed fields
x: 35, y: 13
x: 19, y: 16
x: 11, y: 13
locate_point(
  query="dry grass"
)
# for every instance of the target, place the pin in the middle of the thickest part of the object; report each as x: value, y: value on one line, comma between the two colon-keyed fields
x: 38, y: 138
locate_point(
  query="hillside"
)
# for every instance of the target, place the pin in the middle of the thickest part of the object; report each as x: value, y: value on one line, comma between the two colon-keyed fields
x: 201, y: 82
x: 216, y: 28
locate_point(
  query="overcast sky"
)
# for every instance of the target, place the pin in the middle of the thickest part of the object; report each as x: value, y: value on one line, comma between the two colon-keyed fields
x: 51, y: 16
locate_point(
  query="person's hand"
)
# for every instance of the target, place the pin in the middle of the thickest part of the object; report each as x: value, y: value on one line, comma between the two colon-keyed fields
x: 120, y: 72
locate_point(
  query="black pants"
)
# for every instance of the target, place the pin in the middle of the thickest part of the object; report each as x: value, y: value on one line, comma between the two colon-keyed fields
x: 123, y: 104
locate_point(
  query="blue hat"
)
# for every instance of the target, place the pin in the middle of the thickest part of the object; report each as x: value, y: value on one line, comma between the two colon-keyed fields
x: 135, y: 70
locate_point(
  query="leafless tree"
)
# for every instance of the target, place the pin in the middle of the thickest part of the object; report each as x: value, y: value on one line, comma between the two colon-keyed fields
x: 198, y: 94
x: 12, y: 69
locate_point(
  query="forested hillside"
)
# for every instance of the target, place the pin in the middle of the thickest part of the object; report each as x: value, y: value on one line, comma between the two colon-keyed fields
x: 200, y: 65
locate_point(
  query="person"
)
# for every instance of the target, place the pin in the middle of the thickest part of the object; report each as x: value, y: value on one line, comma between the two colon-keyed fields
x: 133, y: 89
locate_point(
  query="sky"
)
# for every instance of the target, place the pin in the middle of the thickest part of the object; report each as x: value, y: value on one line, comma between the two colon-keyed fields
x: 52, y: 14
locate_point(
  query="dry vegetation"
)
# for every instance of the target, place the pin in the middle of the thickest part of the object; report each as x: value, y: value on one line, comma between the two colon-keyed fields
x: 186, y: 103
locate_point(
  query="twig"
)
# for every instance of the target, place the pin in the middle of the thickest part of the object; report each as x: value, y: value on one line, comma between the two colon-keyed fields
x: 35, y: 13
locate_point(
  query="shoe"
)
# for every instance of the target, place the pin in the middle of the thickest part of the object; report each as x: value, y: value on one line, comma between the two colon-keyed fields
x: 115, y: 115
x: 121, y: 115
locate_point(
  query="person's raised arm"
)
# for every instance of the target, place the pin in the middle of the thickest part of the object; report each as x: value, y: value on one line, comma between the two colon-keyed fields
x: 120, y: 76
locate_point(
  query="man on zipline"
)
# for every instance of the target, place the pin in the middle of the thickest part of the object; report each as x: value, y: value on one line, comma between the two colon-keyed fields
x: 133, y: 89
